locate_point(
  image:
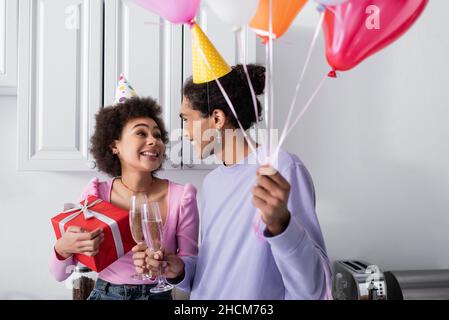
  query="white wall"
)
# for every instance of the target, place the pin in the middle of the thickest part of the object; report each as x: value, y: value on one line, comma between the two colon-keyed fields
x: 375, y: 142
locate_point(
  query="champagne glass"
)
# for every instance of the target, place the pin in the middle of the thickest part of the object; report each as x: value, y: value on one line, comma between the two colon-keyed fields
x: 135, y: 223
x: 152, y: 231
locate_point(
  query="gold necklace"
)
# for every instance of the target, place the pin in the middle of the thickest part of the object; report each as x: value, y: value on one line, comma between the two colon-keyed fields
x: 134, y: 191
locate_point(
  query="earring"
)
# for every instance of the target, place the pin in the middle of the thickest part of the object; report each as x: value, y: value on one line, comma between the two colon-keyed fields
x: 219, y: 138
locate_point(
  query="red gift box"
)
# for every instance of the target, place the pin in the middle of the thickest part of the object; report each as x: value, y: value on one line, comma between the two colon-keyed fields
x: 94, y: 213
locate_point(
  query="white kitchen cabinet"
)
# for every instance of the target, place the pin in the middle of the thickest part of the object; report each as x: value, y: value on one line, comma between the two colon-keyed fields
x: 8, y: 47
x: 224, y: 39
x: 71, y: 53
x: 149, y: 51
x: 60, y: 82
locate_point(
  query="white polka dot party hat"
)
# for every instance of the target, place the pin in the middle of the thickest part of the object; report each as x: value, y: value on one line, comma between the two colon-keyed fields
x: 124, y: 90
x: 207, y: 63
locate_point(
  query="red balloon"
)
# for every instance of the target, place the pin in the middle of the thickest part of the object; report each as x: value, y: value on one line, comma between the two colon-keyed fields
x: 357, y: 29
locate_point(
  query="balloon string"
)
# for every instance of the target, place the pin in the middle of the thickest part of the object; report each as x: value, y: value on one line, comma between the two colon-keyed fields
x: 308, y: 104
x: 301, y: 78
x: 229, y: 102
x: 266, y: 98
x: 231, y: 106
x: 271, y: 83
x: 303, y: 111
x: 241, y: 49
x: 242, y: 58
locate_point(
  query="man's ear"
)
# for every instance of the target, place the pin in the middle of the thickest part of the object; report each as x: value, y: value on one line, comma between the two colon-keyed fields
x: 218, y: 118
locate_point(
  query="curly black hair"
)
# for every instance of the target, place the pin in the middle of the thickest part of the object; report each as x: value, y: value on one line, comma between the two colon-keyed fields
x: 206, y: 97
x: 110, y: 122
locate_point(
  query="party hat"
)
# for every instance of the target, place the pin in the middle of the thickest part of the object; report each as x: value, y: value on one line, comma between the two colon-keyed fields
x: 207, y: 62
x: 124, y: 90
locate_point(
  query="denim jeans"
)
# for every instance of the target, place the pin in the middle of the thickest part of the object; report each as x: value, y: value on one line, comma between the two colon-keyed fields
x: 107, y: 291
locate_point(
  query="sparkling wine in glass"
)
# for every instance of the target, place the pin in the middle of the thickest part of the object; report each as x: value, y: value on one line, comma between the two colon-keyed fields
x: 135, y: 223
x: 152, y: 231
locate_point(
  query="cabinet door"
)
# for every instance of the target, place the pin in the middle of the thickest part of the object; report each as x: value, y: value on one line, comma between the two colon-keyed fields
x: 8, y: 47
x: 225, y: 40
x: 60, y: 82
x: 149, y: 51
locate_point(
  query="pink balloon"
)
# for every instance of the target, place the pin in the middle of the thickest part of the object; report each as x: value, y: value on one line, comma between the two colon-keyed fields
x: 175, y: 11
x: 357, y: 29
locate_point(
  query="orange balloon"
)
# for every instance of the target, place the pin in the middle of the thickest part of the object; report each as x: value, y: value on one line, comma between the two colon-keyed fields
x: 283, y: 14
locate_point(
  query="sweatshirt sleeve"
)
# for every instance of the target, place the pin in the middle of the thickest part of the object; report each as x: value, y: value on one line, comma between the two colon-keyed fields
x: 185, y: 284
x: 300, y: 251
x: 187, y: 231
x: 187, y: 236
x: 62, y: 268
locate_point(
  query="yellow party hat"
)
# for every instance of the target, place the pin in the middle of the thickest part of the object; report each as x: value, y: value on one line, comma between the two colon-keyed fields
x: 207, y: 62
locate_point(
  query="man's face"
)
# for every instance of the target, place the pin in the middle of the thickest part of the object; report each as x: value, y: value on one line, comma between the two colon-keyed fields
x: 197, y: 129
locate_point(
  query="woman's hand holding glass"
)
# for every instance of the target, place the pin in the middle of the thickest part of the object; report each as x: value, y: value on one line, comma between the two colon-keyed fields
x: 139, y: 256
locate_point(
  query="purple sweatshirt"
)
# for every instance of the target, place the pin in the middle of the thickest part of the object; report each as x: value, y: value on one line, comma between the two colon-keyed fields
x: 233, y: 263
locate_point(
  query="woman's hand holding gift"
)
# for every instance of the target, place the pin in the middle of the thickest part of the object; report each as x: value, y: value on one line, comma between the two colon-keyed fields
x: 78, y: 240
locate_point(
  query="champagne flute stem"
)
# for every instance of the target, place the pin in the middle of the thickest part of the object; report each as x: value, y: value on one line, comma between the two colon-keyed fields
x: 160, y: 278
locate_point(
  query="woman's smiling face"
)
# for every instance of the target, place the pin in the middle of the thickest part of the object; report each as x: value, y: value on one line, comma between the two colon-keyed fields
x: 140, y: 146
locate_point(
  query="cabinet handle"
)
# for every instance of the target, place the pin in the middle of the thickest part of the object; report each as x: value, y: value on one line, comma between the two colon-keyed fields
x: 189, y: 165
x: 174, y: 165
x: 91, y: 164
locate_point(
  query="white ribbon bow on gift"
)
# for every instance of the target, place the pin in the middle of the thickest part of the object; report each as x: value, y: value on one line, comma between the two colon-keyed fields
x: 89, y: 214
x: 84, y: 208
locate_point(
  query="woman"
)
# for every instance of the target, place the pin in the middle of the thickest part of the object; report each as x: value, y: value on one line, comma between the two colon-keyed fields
x: 290, y: 259
x: 129, y: 145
